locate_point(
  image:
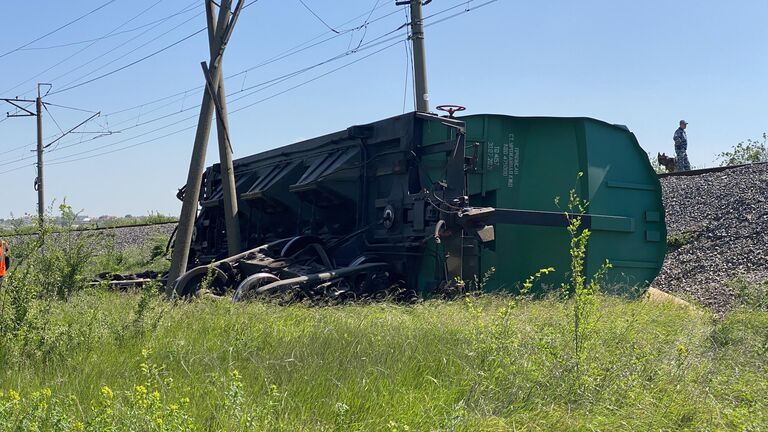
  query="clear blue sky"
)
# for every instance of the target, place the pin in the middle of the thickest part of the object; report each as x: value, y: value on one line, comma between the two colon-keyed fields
x: 643, y: 64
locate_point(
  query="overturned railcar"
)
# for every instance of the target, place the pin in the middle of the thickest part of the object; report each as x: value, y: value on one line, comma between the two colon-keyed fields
x: 423, y: 202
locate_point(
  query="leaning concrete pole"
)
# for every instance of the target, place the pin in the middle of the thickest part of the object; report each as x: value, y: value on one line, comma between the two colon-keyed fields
x: 183, y: 240
x: 231, y: 217
x: 419, y: 57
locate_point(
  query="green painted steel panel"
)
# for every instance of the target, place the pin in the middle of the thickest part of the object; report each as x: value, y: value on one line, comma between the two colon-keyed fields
x: 524, y: 163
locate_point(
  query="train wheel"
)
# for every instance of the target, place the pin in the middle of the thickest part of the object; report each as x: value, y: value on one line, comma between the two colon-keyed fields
x: 246, y: 290
x: 191, y: 282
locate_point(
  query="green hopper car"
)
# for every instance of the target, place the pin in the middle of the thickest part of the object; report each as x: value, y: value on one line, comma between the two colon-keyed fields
x: 421, y: 202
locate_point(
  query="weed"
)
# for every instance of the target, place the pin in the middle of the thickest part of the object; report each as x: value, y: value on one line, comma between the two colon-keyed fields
x: 753, y: 295
x: 676, y: 241
x: 579, y: 288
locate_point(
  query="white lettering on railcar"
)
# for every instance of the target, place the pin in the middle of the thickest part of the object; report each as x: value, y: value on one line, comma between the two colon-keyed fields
x: 493, y: 158
x: 512, y: 159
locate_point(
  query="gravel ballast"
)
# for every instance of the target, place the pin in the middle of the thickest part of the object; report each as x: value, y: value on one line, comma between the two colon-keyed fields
x: 720, y: 222
x: 128, y: 237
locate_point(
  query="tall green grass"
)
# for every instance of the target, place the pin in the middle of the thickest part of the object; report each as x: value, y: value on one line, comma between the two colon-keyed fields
x: 75, y: 357
x: 102, y: 362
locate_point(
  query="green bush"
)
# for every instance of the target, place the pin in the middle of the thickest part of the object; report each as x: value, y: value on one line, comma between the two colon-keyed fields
x: 749, y: 151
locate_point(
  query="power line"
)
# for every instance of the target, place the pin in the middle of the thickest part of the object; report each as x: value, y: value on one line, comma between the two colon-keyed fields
x: 284, y: 54
x: 292, y: 51
x: 54, y: 119
x: 66, y: 159
x: 235, y: 100
x: 30, y: 79
x: 111, y: 35
x: 260, y: 86
x: 131, y: 63
x: 318, y: 17
x: 124, y: 43
x: 70, y: 83
x: 183, y: 10
x: 265, y: 84
x: 67, y: 107
x: 57, y: 29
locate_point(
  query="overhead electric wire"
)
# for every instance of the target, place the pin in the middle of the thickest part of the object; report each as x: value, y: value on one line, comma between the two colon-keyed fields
x: 124, y: 43
x: 276, y: 81
x: 68, y: 107
x: 30, y: 79
x: 280, y: 56
x: 66, y: 158
x: 54, y: 119
x: 135, y: 62
x: 235, y: 100
x: 57, y: 29
x: 318, y: 17
x: 72, y: 84
x: 156, y: 52
x: 264, y: 85
x: 111, y: 35
x: 284, y: 54
x: 184, y: 10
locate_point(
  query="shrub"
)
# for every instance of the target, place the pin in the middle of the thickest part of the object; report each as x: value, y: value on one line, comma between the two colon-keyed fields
x: 749, y: 151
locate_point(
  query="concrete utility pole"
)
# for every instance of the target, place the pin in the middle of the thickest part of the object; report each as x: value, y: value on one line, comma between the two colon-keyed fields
x: 231, y: 216
x: 181, y: 246
x: 39, y: 184
x: 24, y: 112
x: 419, y: 55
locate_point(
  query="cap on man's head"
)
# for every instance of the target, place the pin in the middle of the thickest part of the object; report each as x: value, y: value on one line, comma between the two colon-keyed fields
x: 683, y: 122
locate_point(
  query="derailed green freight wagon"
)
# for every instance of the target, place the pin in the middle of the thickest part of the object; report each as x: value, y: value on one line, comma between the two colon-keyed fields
x: 417, y: 202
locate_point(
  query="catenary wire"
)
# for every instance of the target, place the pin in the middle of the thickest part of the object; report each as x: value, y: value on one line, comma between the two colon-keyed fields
x: 318, y: 17
x: 2, y: 120
x: 111, y: 35
x: 66, y: 159
x: 281, y: 79
x: 280, y: 56
x: 263, y: 86
x: 73, y: 86
x: 185, y: 9
x: 71, y: 83
x: 60, y: 62
x: 57, y: 29
x: 114, y: 71
x: 275, y: 81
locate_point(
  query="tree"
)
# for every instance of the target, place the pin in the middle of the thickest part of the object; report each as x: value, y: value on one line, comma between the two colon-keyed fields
x: 749, y: 151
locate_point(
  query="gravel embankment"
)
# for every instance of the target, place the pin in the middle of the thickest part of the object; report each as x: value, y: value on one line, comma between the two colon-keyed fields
x: 724, y: 218
x: 128, y: 237
x: 123, y: 238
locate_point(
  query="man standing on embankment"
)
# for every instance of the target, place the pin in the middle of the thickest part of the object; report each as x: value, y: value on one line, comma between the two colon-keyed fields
x: 681, y: 148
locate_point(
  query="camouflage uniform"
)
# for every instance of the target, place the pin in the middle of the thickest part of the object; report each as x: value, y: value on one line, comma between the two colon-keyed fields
x: 681, y: 147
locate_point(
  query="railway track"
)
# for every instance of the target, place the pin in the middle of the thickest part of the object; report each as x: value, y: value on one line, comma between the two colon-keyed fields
x: 95, y: 229
x: 707, y: 170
